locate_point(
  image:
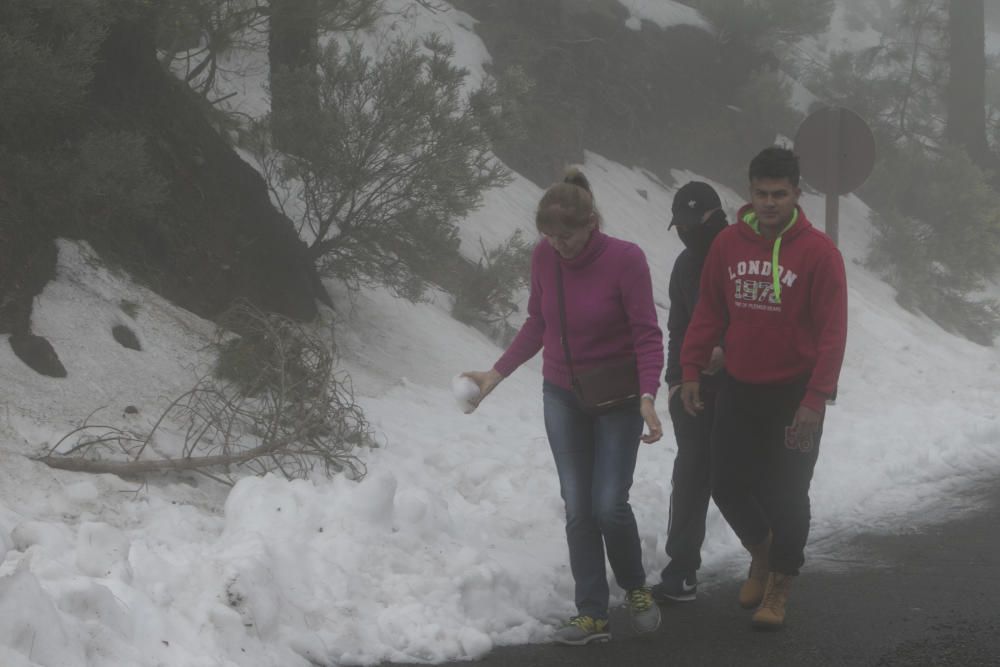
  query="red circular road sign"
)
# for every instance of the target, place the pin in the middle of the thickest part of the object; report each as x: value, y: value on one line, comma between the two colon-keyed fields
x: 836, y: 150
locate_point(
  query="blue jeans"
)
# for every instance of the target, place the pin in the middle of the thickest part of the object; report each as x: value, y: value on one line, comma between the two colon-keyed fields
x: 595, y: 457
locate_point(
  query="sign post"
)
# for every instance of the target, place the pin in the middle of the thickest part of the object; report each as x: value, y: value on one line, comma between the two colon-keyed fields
x: 836, y: 150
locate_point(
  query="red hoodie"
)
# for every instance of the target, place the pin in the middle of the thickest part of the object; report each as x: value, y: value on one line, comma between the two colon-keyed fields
x: 779, y: 325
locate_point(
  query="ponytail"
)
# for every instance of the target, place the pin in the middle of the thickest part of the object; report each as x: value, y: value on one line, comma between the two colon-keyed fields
x: 569, y: 203
x: 575, y: 177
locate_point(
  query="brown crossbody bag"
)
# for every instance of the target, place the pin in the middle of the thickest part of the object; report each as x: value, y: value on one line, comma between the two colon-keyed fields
x: 602, y: 388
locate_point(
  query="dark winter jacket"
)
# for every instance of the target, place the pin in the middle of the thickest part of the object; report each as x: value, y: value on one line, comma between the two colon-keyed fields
x: 684, y: 283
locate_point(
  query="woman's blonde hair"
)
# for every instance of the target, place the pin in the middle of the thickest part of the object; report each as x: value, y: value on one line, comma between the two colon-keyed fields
x: 567, y: 204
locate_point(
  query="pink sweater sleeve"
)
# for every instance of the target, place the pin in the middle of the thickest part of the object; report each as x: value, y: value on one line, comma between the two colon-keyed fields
x: 528, y: 341
x: 647, y: 338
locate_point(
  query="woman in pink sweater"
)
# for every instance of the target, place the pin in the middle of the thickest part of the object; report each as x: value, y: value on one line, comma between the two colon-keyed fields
x: 609, y: 316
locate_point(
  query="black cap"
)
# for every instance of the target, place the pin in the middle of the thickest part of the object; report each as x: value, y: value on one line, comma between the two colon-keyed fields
x: 692, y: 201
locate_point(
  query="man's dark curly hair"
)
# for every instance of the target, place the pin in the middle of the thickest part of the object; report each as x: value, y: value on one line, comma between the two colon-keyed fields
x: 776, y: 162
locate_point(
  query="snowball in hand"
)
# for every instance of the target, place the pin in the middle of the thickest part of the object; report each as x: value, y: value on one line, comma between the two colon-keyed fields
x: 465, y: 391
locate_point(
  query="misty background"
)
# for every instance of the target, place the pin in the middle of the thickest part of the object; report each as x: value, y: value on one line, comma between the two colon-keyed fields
x: 122, y: 128
x: 244, y: 245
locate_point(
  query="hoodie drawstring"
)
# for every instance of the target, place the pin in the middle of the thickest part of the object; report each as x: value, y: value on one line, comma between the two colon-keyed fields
x: 751, y: 219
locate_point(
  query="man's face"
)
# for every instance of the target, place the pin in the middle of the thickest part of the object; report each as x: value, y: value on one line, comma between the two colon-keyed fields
x: 567, y: 241
x: 773, y: 200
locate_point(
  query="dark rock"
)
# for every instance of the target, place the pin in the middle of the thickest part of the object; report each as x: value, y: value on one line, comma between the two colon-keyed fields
x: 220, y: 238
x: 126, y: 337
x: 27, y: 264
x: 38, y: 354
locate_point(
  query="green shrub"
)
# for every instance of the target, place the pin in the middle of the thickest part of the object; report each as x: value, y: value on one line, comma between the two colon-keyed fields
x: 487, y: 295
x: 937, y: 236
x: 395, y: 155
x: 281, y: 373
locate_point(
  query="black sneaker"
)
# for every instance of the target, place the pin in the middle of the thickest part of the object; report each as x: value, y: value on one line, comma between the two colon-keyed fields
x: 676, y: 587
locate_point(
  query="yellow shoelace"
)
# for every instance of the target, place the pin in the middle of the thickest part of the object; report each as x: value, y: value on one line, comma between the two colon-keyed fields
x: 640, y: 599
x: 586, y: 623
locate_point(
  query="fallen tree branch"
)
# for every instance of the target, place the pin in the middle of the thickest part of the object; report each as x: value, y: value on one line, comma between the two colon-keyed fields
x: 275, y: 403
x: 132, y: 468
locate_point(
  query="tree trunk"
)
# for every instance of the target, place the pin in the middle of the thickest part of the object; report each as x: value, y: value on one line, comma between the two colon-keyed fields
x: 293, y: 51
x: 966, y: 92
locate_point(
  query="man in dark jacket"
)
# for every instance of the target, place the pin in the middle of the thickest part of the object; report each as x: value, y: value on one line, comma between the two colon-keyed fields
x: 698, y: 217
x: 776, y: 286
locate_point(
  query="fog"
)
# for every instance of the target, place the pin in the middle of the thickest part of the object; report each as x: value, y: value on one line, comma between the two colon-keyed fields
x: 447, y: 538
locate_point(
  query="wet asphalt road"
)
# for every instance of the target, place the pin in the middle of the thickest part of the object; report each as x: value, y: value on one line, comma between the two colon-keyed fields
x: 922, y: 598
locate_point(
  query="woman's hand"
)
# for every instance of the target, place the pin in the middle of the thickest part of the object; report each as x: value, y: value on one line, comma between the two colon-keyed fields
x: 654, y: 429
x: 485, y: 380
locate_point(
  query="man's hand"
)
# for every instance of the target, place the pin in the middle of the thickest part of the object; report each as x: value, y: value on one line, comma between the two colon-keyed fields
x: 485, y: 380
x: 805, y: 426
x: 717, y: 362
x: 655, y: 430
x: 691, y: 398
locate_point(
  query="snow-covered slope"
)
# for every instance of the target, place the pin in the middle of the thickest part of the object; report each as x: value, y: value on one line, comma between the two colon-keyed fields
x: 454, y: 541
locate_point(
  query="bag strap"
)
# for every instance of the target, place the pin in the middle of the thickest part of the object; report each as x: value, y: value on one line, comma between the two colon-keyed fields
x: 562, y: 321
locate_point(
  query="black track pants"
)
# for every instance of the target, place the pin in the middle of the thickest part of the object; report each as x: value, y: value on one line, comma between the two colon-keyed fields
x: 759, y: 482
x: 690, y: 485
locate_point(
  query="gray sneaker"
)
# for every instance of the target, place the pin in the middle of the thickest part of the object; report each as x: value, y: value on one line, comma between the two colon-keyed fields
x: 581, y: 630
x: 643, y: 613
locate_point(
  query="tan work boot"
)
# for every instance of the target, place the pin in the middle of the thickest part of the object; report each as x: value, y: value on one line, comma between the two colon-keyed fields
x: 752, y: 590
x: 770, y: 615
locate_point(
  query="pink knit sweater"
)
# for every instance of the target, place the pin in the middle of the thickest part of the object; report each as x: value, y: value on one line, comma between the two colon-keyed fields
x: 609, y: 313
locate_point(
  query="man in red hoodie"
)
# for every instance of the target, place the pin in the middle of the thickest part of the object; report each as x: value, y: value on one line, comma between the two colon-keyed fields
x: 776, y: 287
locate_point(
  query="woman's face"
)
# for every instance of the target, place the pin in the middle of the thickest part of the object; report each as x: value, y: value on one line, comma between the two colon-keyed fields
x: 569, y: 241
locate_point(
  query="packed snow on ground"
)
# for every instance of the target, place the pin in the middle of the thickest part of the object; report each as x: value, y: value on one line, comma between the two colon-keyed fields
x: 454, y: 542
